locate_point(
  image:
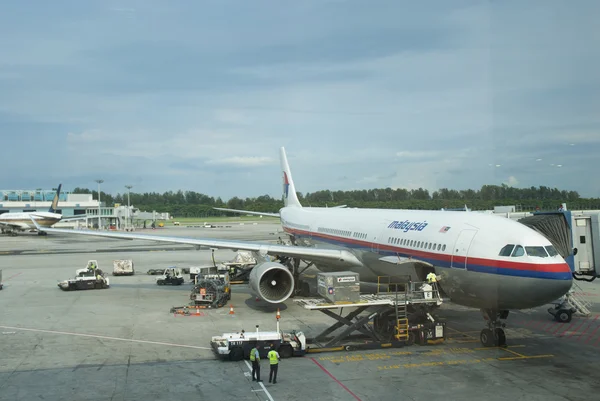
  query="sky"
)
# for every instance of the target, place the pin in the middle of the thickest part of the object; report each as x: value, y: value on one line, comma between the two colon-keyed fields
x: 200, y: 95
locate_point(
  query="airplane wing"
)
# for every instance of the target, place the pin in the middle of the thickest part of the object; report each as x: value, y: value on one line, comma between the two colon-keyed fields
x: 22, y: 226
x: 314, y: 254
x: 246, y: 212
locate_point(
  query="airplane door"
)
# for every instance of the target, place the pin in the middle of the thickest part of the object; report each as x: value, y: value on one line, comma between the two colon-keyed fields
x: 461, y: 248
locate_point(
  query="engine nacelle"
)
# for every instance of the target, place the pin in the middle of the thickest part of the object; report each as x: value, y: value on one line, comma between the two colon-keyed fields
x: 272, y: 282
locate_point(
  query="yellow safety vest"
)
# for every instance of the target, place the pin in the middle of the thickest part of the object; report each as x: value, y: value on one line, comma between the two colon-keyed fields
x: 253, y: 355
x: 273, y: 360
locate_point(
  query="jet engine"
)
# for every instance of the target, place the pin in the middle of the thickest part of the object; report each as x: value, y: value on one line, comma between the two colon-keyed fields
x: 272, y: 282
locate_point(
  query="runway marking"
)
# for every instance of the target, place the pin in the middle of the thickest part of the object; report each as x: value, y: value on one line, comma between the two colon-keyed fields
x: 104, y: 337
x: 261, y: 384
x: 335, y: 380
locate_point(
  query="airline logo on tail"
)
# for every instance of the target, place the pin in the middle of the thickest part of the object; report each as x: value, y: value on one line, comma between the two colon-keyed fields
x: 286, y: 185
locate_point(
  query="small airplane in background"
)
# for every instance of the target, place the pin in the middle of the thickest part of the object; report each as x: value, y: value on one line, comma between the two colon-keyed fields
x: 13, y: 222
x: 482, y: 261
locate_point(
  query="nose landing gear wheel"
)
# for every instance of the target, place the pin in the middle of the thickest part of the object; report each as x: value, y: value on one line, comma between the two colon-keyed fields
x: 487, y: 338
x: 563, y: 316
x: 493, y: 338
x: 500, y: 337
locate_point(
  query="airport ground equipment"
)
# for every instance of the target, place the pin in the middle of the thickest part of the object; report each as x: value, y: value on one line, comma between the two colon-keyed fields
x: 123, y: 268
x: 91, y: 278
x: 339, y: 286
x: 212, y: 287
x: 572, y: 303
x: 237, y: 346
x: 154, y: 272
x: 239, y: 268
x: 395, y: 318
x: 171, y: 276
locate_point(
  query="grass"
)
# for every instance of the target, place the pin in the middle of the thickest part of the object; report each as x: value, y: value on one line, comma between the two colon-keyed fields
x: 200, y: 220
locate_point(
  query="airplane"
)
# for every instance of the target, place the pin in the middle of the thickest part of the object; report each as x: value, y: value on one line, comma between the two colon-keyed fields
x: 481, y: 261
x: 10, y: 223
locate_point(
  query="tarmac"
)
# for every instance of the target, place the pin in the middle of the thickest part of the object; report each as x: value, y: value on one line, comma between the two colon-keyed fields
x: 123, y: 344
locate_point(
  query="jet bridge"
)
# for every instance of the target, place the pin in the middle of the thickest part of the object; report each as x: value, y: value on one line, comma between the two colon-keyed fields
x: 575, y: 235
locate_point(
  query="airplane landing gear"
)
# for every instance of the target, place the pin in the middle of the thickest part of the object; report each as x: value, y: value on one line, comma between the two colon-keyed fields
x: 493, y: 335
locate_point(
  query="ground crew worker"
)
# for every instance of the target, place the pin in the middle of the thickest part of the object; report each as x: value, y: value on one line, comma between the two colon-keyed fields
x: 255, y: 359
x: 274, y: 364
x: 431, y: 278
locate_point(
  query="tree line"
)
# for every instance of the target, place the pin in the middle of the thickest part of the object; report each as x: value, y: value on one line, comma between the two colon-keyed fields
x: 195, y: 204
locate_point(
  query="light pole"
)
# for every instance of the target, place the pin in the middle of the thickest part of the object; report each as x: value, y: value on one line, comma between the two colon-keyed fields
x: 99, y: 182
x: 128, y: 206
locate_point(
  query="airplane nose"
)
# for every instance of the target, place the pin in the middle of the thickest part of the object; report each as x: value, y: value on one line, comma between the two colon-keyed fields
x: 557, y: 287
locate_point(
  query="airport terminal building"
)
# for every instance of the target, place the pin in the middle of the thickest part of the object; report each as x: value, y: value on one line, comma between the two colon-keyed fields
x: 73, y: 205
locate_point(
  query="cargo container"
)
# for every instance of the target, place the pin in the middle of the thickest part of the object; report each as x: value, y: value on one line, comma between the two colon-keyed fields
x: 339, y: 286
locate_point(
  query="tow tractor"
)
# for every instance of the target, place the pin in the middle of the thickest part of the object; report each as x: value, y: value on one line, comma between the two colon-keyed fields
x: 237, y: 346
x: 171, y: 275
x: 90, y: 278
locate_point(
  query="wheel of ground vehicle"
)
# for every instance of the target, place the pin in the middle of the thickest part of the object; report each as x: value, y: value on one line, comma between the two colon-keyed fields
x: 285, y: 351
x: 160, y: 282
x: 236, y: 354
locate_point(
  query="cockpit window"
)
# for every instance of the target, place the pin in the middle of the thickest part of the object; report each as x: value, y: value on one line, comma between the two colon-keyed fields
x: 551, y: 251
x: 537, y: 251
x: 519, y: 251
x: 507, y: 250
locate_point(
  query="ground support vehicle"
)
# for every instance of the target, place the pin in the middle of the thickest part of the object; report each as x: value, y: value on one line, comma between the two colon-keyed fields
x: 171, y: 276
x: 237, y: 346
x: 123, y: 268
x: 211, y: 287
x: 393, y: 319
x: 90, y: 278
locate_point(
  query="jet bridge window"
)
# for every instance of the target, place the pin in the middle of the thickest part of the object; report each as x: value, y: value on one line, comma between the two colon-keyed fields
x: 519, y: 251
x: 507, y: 250
x: 537, y: 251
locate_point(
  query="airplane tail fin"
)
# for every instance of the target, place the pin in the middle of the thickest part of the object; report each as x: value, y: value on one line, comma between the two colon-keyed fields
x: 290, y: 199
x: 54, y: 205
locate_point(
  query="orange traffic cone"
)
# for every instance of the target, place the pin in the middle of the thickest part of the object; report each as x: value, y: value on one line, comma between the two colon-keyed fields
x: 278, y: 314
x: 197, y: 310
x: 231, y: 312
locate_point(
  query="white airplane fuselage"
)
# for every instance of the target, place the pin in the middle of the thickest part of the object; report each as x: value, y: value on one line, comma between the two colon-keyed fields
x: 462, y: 247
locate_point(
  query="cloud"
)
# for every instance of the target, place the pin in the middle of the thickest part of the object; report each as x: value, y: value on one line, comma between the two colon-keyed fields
x: 512, y: 181
x: 399, y: 95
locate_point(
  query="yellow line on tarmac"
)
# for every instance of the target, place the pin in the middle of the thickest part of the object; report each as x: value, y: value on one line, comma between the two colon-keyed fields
x: 514, y: 358
x: 489, y: 348
x: 514, y: 353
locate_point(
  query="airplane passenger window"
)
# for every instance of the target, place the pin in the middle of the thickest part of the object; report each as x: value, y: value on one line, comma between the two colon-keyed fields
x: 439, y: 247
x: 507, y: 250
x: 444, y: 247
x: 519, y: 251
x: 551, y: 251
x: 537, y: 251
